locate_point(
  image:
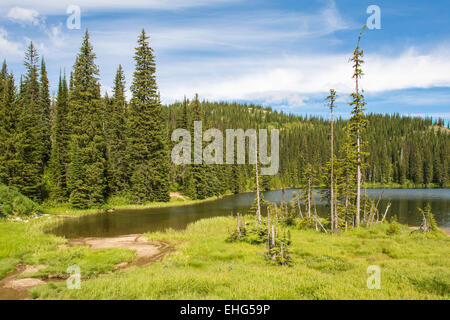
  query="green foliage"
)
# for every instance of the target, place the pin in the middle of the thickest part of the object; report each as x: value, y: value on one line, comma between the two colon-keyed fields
x: 86, y: 180
x: 205, y: 266
x: 115, y: 135
x: 279, y: 254
x: 13, y: 203
x: 147, y: 151
x: 394, y: 228
x: 60, y: 146
x: 123, y: 149
x: 306, y: 223
x: 44, y: 109
x: 429, y: 222
x: 91, y: 262
x: 29, y: 144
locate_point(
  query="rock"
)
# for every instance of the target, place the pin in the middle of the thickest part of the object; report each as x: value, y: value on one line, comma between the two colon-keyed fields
x: 33, y: 269
x: 110, y: 210
x: 24, y: 283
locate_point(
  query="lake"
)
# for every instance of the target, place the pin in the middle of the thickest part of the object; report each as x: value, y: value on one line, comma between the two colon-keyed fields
x: 404, y: 204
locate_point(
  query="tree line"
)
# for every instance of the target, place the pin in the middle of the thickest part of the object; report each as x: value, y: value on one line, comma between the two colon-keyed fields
x: 81, y: 147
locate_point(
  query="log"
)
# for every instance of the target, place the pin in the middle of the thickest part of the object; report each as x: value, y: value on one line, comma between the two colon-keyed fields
x: 385, y: 213
x: 317, y: 221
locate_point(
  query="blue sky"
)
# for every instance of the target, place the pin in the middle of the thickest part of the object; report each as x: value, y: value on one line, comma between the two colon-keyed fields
x: 284, y: 54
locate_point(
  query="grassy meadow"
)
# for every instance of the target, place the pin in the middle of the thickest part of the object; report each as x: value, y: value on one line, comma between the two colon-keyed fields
x: 205, y: 266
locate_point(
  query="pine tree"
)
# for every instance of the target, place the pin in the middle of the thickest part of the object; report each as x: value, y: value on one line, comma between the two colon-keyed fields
x: 45, y: 114
x: 307, y: 188
x: 86, y: 172
x: 29, y: 160
x: 60, y: 147
x: 116, y: 143
x: 8, y: 124
x: 198, y: 171
x: 183, y: 120
x: 345, y: 182
x: 148, y: 154
x: 331, y: 99
x: 357, y: 122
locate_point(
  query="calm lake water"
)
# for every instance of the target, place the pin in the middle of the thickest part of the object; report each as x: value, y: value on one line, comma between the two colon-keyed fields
x: 121, y: 222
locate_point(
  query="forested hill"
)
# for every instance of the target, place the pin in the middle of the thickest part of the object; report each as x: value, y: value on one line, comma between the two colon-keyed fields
x: 84, y: 148
x: 400, y: 150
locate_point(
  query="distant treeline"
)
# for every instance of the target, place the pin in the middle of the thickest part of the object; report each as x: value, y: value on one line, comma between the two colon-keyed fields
x: 401, y: 150
x: 82, y: 147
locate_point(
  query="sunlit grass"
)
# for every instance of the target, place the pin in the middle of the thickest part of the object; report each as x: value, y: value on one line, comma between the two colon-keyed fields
x: 205, y: 266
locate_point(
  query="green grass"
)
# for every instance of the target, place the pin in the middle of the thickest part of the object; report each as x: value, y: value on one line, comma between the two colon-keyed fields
x: 27, y: 243
x: 205, y: 266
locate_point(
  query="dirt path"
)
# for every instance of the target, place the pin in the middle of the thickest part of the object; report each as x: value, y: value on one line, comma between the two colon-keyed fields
x: 147, y: 252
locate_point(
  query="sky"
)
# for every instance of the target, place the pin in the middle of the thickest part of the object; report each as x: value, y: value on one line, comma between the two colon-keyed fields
x: 284, y: 54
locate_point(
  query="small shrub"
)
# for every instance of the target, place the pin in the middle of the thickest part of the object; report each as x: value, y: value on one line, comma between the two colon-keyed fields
x: 394, y: 228
x: 306, y: 223
x: 13, y: 203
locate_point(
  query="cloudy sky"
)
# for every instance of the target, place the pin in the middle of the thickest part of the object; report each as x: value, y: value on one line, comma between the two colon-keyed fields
x: 286, y: 54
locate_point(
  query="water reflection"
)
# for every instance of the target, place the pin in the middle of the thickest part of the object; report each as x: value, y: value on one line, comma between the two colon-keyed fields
x: 404, y: 205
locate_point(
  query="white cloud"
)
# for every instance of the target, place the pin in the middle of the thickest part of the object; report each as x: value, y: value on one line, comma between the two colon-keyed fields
x: 56, y: 35
x: 9, y: 49
x: 25, y: 16
x: 291, y: 79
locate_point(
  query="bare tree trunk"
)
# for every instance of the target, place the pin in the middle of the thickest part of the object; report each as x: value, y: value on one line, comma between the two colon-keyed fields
x: 321, y: 225
x: 238, y: 226
x: 358, y: 181
x: 299, y: 208
x: 273, y: 235
x: 268, y: 231
x: 333, y: 218
x: 258, y: 210
x: 385, y: 213
x: 309, y: 197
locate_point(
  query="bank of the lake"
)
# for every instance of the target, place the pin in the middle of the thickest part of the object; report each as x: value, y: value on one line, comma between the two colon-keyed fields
x: 205, y: 266
x: 404, y: 204
x: 27, y: 240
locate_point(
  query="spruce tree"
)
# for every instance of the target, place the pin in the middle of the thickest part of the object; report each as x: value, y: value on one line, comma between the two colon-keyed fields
x: 45, y: 114
x: 8, y: 128
x: 86, y: 171
x: 198, y: 171
x: 29, y: 131
x: 358, y: 122
x: 332, y: 99
x: 148, y: 154
x: 115, y: 128
x: 60, y: 147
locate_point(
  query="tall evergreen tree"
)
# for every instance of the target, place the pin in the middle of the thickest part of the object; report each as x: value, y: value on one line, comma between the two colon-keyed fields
x: 116, y: 143
x: 198, y: 171
x: 148, y: 154
x: 29, y: 143
x: 87, y: 164
x: 358, y: 122
x: 45, y: 114
x: 8, y: 128
x: 60, y: 147
x: 331, y: 99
